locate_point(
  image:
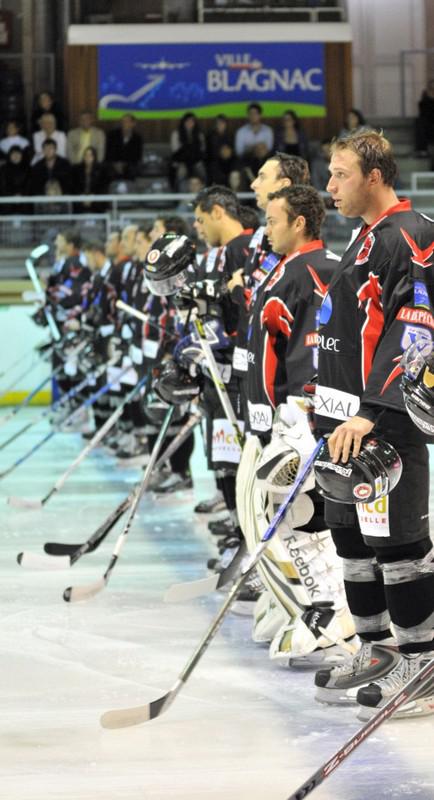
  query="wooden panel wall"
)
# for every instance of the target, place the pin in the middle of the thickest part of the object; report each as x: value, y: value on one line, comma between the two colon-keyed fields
x: 81, y: 92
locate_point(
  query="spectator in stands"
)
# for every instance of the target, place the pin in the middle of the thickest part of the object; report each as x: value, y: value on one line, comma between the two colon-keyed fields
x: 89, y: 177
x: 14, y: 179
x: 253, y: 143
x: 355, y: 122
x: 46, y: 104
x: 169, y: 224
x: 319, y: 166
x: 86, y: 135
x: 14, y: 138
x: 52, y: 189
x: 124, y: 149
x: 424, y: 123
x: 194, y: 186
x: 50, y: 167
x: 291, y: 138
x: 188, y: 147
x: 222, y: 164
x: 48, y: 130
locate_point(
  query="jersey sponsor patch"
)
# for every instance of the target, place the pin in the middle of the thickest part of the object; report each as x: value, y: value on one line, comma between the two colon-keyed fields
x: 334, y: 403
x: 225, y: 445
x: 239, y: 359
x: 374, y: 517
x: 415, y: 315
x: 420, y: 295
x: 260, y: 416
x: 365, y: 251
x: 326, y: 310
x: 412, y: 334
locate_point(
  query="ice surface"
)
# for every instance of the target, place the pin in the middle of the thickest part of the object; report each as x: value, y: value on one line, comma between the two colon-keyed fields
x: 241, y: 729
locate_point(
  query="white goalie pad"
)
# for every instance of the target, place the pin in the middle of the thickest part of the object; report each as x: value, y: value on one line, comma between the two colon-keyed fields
x: 268, y: 618
x: 298, y: 569
x: 317, y: 631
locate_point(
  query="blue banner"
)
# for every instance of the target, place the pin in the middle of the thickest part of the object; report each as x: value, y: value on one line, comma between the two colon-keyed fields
x: 165, y: 80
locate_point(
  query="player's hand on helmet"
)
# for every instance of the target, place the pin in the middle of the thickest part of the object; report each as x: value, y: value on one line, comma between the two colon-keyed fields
x: 346, y: 439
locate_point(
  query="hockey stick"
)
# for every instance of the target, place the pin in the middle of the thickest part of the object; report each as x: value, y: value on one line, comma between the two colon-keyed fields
x: 218, y: 383
x: 417, y: 682
x: 93, y: 376
x: 19, y: 502
x: 182, y: 592
x: 70, y: 419
x: 76, y: 593
x: 17, y: 363
x: 123, y: 718
x: 29, y: 397
x: 189, y: 590
x: 54, y: 330
x: 134, y: 312
x: 65, y: 555
x: 34, y: 392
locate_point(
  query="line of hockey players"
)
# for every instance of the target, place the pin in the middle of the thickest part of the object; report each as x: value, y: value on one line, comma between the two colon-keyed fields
x: 345, y: 586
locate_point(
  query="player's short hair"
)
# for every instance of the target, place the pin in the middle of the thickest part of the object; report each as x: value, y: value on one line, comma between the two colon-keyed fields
x: 72, y: 237
x: 94, y: 246
x: 249, y: 217
x: 217, y: 195
x: 174, y: 224
x: 293, y: 167
x: 304, y: 201
x: 373, y: 150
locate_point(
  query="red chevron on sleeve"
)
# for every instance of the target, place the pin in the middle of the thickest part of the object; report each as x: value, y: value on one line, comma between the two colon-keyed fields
x: 419, y: 256
x: 320, y: 287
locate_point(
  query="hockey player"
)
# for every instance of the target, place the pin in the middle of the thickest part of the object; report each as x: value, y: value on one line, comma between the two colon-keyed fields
x: 368, y: 318
x: 217, y: 220
x: 281, y: 358
x: 282, y: 342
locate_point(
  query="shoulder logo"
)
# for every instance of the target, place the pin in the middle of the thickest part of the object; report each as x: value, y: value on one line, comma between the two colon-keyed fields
x: 365, y: 250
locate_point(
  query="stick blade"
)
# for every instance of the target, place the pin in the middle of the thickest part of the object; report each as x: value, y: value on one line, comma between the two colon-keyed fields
x: 23, y: 502
x: 59, y: 549
x: 137, y: 715
x: 76, y: 594
x: 37, y: 561
x: 182, y: 592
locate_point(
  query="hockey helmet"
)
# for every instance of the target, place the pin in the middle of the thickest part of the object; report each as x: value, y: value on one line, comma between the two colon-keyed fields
x: 363, y: 478
x: 155, y: 409
x: 167, y: 263
x: 417, y: 384
x: 175, y: 385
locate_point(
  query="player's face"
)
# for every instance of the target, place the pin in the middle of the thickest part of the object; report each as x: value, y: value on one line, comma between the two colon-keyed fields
x: 129, y: 240
x: 207, y: 226
x: 266, y: 182
x: 347, y: 185
x: 158, y: 229
x: 142, y: 245
x: 112, y: 246
x: 281, y: 233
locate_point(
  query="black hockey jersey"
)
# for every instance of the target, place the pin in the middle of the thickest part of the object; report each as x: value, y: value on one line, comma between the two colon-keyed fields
x: 282, y: 338
x: 377, y: 304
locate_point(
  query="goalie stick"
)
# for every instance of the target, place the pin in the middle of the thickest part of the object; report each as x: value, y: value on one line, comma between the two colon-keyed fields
x: 63, y: 556
x: 76, y: 593
x: 385, y: 712
x: 21, y: 502
x: 122, y: 718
